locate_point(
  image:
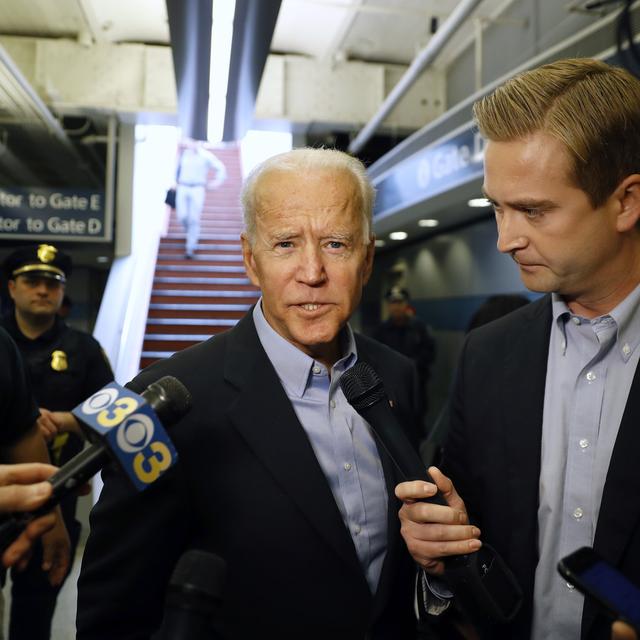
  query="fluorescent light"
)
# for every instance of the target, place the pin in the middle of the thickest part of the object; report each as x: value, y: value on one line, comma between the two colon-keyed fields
x: 428, y: 222
x: 479, y: 202
x: 398, y: 235
x: 379, y: 242
x: 221, y: 37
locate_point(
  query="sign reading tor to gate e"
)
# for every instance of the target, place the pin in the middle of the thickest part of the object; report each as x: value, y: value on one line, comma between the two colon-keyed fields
x: 65, y: 214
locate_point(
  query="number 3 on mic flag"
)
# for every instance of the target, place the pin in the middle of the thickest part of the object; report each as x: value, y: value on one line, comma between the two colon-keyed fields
x: 132, y: 432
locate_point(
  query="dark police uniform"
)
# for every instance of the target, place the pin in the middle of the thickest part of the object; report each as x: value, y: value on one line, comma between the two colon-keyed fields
x: 64, y: 366
x: 17, y: 406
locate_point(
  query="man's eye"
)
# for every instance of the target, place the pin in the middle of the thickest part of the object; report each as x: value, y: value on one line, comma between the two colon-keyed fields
x: 531, y: 213
x: 285, y: 244
x: 335, y: 244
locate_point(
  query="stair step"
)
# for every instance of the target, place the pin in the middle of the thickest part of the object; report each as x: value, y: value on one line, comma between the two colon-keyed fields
x: 179, y: 246
x: 188, y: 281
x: 204, y: 237
x: 195, y: 312
x: 190, y: 266
x: 190, y: 288
x: 173, y: 343
x: 251, y: 295
x: 207, y: 307
x: 187, y: 326
x: 203, y: 257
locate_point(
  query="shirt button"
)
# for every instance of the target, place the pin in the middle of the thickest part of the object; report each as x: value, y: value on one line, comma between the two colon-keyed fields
x: 316, y: 370
x: 577, y: 513
x: 332, y: 404
x: 570, y: 586
x: 347, y: 466
x: 626, y: 349
x: 591, y: 376
x: 576, y: 320
x: 584, y: 443
x: 357, y: 529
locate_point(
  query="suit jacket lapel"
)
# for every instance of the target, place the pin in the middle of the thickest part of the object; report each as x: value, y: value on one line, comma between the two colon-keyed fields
x: 524, y: 384
x: 264, y: 416
x: 620, y: 507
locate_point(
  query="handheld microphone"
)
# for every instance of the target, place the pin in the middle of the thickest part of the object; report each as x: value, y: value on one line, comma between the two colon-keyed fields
x: 481, y: 580
x: 121, y: 426
x: 194, y: 597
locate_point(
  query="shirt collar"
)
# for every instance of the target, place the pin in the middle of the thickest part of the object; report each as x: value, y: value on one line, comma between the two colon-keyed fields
x: 626, y: 316
x: 294, y: 367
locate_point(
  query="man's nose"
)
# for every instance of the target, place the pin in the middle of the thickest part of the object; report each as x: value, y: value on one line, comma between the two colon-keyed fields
x: 511, y: 233
x: 311, y: 270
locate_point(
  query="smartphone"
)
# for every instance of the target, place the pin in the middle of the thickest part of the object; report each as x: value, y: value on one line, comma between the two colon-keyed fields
x: 600, y: 580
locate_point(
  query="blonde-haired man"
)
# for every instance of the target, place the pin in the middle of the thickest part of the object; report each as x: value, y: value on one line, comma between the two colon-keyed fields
x: 542, y: 455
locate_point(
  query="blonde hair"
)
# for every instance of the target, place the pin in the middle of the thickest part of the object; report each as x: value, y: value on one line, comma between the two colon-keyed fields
x: 305, y: 160
x: 593, y: 108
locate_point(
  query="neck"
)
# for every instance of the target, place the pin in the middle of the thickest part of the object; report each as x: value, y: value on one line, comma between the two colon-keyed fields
x: 33, y: 326
x: 617, y: 284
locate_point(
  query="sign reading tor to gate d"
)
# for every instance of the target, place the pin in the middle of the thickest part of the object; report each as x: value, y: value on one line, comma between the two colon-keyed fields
x: 65, y: 214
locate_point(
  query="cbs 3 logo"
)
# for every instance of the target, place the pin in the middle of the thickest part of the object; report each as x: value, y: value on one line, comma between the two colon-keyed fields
x: 134, y: 434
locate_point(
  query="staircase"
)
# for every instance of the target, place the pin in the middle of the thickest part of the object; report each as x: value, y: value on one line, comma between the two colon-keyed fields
x: 194, y: 299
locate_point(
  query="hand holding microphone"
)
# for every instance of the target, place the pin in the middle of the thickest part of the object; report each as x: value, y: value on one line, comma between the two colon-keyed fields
x: 122, y: 427
x: 475, y: 573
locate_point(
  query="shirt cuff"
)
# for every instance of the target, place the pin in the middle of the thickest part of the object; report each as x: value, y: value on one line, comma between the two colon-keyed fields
x: 433, y: 597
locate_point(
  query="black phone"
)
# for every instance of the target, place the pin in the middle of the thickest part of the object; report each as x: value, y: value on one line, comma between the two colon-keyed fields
x: 598, y: 579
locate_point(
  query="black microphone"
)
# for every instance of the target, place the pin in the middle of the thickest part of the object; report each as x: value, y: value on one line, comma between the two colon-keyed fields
x: 481, y: 579
x: 194, y: 598
x: 169, y: 401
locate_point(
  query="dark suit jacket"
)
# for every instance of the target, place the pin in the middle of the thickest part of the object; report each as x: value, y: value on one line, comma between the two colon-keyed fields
x: 249, y: 488
x: 493, y: 456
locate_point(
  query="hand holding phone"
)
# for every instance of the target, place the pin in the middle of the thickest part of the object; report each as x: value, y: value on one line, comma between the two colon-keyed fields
x: 598, y: 579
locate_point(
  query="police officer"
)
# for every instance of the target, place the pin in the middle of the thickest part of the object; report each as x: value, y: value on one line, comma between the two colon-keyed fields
x: 65, y: 366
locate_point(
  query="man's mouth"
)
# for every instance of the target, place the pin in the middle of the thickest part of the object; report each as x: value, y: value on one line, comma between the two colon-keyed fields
x: 309, y: 306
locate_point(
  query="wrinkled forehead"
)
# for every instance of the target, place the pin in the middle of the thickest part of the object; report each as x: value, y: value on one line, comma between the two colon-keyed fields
x: 312, y: 192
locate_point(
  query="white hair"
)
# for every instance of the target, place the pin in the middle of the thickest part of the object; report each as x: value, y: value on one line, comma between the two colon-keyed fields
x: 299, y: 161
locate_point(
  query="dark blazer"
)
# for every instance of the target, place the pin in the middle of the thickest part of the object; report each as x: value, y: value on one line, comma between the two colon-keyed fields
x: 493, y: 450
x: 247, y: 487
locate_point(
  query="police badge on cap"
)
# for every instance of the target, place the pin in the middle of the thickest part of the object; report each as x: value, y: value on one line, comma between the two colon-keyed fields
x: 42, y: 260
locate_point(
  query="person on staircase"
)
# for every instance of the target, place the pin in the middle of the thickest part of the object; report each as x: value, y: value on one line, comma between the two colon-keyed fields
x: 64, y: 367
x: 194, y: 165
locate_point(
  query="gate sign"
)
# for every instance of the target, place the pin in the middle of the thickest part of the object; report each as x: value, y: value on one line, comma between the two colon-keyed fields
x: 64, y: 214
x: 442, y: 166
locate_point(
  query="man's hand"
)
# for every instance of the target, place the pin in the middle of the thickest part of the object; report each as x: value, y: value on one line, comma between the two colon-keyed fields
x: 22, y: 488
x: 56, y: 550
x: 431, y: 531
x: 51, y: 423
x: 622, y: 631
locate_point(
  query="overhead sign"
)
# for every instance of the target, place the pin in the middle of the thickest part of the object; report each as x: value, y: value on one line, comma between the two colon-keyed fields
x: 440, y: 167
x: 64, y: 214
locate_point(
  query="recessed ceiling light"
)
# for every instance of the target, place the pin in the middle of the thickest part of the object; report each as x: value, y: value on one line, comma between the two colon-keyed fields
x: 479, y: 202
x: 398, y: 235
x: 428, y: 222
x: 379, y: 242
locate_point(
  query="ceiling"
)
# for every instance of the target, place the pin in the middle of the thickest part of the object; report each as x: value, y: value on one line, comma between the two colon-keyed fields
x: 43, y: 138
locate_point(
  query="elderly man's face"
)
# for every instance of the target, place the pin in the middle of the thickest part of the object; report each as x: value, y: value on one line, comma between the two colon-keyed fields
x: 309, y: 257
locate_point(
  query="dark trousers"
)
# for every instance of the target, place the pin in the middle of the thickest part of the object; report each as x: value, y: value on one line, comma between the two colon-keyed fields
x: 33, y: 599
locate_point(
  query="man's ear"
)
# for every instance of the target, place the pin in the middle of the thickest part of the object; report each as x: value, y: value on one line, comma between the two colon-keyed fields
x: 368, y: 263
x: 249, y: 261
x: 629, y: 198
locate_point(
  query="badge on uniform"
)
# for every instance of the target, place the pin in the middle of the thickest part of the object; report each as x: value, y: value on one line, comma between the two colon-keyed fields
x: 59, y: 361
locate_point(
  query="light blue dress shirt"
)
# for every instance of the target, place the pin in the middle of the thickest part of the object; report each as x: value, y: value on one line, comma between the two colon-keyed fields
x: 340, y: 438
x: 590, y: 369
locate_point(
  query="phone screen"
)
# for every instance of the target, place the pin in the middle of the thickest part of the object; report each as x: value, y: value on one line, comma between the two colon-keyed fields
x: 602, y: 579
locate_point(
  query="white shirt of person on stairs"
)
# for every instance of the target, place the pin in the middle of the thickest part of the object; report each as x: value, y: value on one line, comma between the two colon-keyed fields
x: 193, y: 169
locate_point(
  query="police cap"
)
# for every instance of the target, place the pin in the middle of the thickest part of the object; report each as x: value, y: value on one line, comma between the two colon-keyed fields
x: 43, y: 260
